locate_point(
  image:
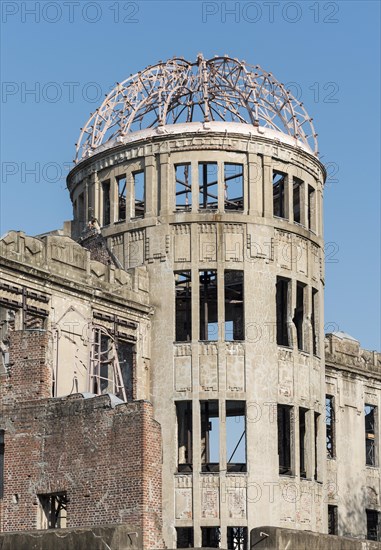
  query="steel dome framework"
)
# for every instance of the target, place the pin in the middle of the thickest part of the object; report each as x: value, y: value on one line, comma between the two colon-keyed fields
x: 178, y: 91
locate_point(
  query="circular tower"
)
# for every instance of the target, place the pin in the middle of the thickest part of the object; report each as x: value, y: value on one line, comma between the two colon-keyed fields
x: 207, y: 173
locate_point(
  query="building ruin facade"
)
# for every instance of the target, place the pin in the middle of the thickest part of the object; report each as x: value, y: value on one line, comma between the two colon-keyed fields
x: 188, y: 289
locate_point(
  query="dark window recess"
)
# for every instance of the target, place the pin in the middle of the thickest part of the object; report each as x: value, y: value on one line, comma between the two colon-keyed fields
x: 81, y: 209
x: 234, y: 315
x: 302, y: 441
x: 2, y: 448
x: 237, y: 538
x: 299, y: 315
x: 183, y: 306
x: 139, y: 190
x: 183, y: 186
x: 316, y: 426
x: 332, y: 520
x: 279, y: 194
x: 184, y: 435
x: 315, y: 321
x: 126, y: 358
x: 330, y: 425
x: 106, y: 202
x: 184, y: 537
x: 208, y: 305
x: 370, y: 435
x: 311, y: 208
x: 296, y: 199
x: 208, y: 185
x: 211, y: 537
x: 282, y: 308
x: 122, y: 197
x: 233, y: 186
x: 33, y: 321
x: 284, y: 439
x: 372, y: 525
x: 235, y: 436
x: 210, y: 436
x: 54, y: 507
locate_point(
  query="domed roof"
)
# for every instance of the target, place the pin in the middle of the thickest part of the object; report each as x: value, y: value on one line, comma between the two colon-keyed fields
x: 180, y: 91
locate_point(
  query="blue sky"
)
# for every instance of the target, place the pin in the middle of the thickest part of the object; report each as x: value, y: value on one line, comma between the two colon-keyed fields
x: 59, y: 59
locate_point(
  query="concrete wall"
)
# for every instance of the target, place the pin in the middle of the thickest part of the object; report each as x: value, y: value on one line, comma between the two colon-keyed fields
x: 274, y: 538
x: 105, y: 455
x: 113, y: 537
x: 353, y: 378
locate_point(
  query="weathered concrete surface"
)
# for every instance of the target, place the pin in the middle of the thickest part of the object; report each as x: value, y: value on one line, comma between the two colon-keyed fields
x: 112, y: 537
x: 291, y: 539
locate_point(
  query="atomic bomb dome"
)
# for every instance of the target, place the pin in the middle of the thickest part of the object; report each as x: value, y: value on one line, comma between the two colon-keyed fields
x: 221, y: 89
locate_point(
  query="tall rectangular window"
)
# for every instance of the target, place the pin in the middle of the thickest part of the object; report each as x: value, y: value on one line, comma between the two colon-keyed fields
x: 372, y: 525
x: 282, y: 308
x: 211, y: 537
x: 370, y: 435
x: 302, y: 441
x: 2, y: 448
x: 184, y: 537
x: 299, y: 315
x: 237, y: 538
x: 315, y: 321
x: 208, y: 305
x: 332, y: 520
x: 330, y: 425
x: 183, y: 305
x: 208, y: 185
x: 122, y: 197
x: 296, y: 199
x: 184, y: 435
x: 183, y: 175
x: 106, y: 202
x: 139, y: 190
x: 210, y: 436
x: 126, y: 359
x: 81, y: 209
x: 316, y: 441
x: 284, y: 439
x: 233, y: 186
x: 235, y: 436
x: 311, y: 208
x: 279, y: 194
x: 234, y: 313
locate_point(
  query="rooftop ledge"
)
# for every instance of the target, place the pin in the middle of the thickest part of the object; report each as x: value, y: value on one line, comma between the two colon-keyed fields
x: 248, y: 130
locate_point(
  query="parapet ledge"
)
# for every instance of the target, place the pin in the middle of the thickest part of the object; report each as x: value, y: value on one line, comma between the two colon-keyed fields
x: 61, y: 256
x: 344, y: 351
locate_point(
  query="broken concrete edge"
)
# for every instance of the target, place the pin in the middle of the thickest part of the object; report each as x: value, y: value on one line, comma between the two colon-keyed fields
x: 280, y: 538
x: 112, y: 536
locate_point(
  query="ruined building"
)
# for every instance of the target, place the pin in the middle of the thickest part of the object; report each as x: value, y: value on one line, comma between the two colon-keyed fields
x: 164, y: 364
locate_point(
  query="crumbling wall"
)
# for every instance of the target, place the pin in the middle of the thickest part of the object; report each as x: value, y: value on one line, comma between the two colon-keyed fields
x: 104, y: 454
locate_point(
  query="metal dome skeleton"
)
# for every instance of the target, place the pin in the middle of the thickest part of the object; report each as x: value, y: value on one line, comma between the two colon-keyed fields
x: 178, y: 91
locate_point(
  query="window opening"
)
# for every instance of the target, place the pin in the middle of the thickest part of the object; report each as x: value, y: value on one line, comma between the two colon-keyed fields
x: 282, y: 305
x: 184, y: 435
x: 235, y: 436
x: 208, y: 185
x: 122, y: 197
x: 210, y: 436
x: 279, y: 186
x: 234, y: 313
x: 183, y: 306
x: 183, y: 175
x: 208, y: 305
x: 284, y: 439
x: 233, y: 186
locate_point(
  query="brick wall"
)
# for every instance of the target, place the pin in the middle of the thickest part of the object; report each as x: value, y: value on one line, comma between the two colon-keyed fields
x: 108, y: 460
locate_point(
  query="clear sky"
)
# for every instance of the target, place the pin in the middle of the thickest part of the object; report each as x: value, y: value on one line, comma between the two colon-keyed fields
x: 59, y: 59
